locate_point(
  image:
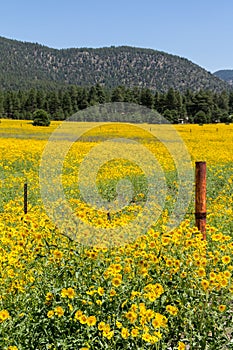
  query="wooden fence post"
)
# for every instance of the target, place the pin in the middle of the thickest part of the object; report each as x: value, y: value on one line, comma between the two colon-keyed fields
x: 25, y: 206
x: 200, y: 197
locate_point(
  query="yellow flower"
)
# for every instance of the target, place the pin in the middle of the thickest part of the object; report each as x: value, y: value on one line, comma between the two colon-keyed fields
x: 50, y: 313
x: 101, y: 326
x: 70, y: 307
x: 153, y: 291
x: 169, y: 262
x: 134, y: 294
x: 127, y: 269
x: 212, y: 275
x: 91, y: 321
x: 157, y: 336
x: 59, y: 311
x: 49, y: 297
x: 116, y: 282
x: 108, y: 335
x: 69, y: 292
x: 100, y: 291
x: 227, y: 274
x: 152, y: 244
x: 83, y: 319
x: 134, y: 332
x: 125, y: 333
x: 117, y: 267
x: 223, y: 282
x: 226, y: 259
x: 112, y: 293
x: 159, y: 321
x: 63, y: 293
x: 217, y: 237
x: 152, y: 339
x: 118, y: 324
x: 172, y: 310
x: 222, y: 308
x: 92, y: 292
x: 12, y: 347
x: 201, y: 272
x: 78, y: 314
x: 205, y: 284
x: 150, y: 314
x: 131, y: 316
x: 183, y: 274
x: 181, y: 346
x: 106, y: 328
x: 57, y: 254
x: 4, y: 315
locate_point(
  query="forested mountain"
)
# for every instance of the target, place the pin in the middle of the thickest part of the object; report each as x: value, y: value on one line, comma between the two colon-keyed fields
x: 225, y: 74
x: 26, y: 65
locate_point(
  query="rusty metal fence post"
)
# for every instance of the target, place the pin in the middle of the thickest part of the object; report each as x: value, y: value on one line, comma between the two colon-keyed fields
x: 200, y: 197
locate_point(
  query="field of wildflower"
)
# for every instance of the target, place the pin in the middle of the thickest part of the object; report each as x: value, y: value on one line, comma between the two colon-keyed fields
x: 162, y: 289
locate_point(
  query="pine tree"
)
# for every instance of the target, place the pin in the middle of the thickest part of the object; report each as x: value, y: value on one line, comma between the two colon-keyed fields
x: 118, y: 94
x: 147, y: 98
x: 231, y: 102
x: 53, y: 104
x: 8, y: 105
x: 1, y: 104
x: 83, y: 99
x: 102, y: 98
x: 67, y: 105
x: 92, y: 96
x: 73, y: 92
x: 31, y: 102
x: 40, y: 99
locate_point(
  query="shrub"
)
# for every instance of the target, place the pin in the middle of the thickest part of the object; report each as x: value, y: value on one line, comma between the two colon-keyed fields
x: 41, y: 118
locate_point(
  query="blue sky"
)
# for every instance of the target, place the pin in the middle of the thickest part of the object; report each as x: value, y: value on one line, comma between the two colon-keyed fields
x: 199, y: 30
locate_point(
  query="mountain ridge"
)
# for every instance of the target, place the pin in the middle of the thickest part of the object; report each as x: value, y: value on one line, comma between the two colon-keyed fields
x: 225, y: 74
x: 24, y: 65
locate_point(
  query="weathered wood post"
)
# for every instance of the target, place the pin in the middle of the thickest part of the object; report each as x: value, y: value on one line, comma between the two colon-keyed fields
x: 25, y: 206
x: 109, y: 216
x: 200, y: 197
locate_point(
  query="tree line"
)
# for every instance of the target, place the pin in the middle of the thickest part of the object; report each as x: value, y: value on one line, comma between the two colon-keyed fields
x: 189, y: 107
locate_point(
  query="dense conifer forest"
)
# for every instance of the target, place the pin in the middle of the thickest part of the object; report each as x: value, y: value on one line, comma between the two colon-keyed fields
x: 189, y: 107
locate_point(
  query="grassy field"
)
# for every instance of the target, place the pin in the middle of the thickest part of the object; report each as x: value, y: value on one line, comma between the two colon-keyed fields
x: 159, y: 288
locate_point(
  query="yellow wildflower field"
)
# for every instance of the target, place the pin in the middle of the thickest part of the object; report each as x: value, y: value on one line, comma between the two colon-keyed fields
x: 155, y: 287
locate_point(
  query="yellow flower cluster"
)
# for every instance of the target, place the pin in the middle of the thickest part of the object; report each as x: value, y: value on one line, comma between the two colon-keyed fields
x: 136, y: 294
x: 4, y: 315
x: 83, y: 319
x: 153, y: 291
x: 69, y: 293
x: 172, y: 310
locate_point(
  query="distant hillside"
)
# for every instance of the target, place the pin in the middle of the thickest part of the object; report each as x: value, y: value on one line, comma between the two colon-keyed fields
x: 24, y: 65
x: 226, y: 75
